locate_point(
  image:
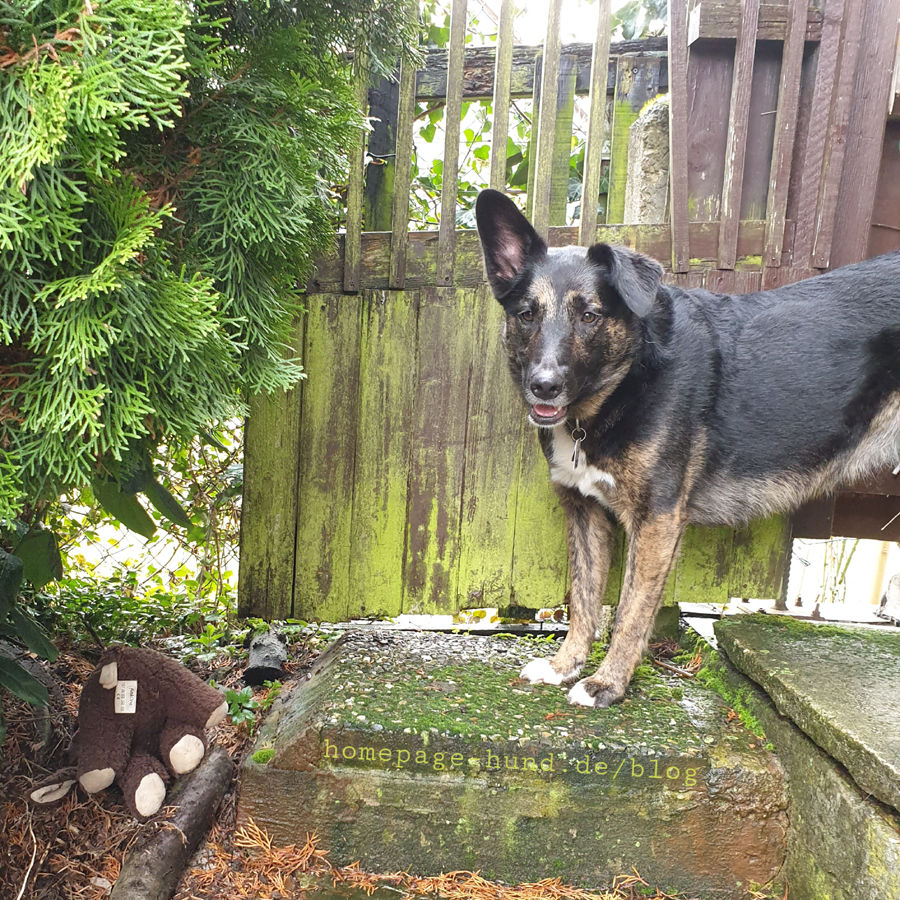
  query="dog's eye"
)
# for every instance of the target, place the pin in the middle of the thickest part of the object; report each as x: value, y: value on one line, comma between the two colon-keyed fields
x: 589, y: 317
x: 526, y: 315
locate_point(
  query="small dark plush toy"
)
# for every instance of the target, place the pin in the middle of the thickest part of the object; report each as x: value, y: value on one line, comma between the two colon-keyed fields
x: 141, y: 717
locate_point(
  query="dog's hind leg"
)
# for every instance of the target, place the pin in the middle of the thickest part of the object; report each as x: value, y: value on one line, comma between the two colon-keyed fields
x: 590, y: 546
x: 652, y: 547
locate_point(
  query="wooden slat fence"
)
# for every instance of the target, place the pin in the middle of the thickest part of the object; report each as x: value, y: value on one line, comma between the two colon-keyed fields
x: 400, y: 476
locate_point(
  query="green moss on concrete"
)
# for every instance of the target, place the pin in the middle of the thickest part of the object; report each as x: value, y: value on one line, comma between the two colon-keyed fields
x: 839, y: 685
x: 842, y: 844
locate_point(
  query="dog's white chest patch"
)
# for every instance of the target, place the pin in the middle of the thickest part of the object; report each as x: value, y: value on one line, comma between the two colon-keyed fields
x: 589, y: 480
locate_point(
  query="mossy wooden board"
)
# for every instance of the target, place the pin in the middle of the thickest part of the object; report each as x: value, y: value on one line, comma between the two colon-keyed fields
x: 271, y: 454
x: 420, y: 487
x: 493, y: 445
x: 437, y: 465
x: 387, y: 380
x: 328, y: 425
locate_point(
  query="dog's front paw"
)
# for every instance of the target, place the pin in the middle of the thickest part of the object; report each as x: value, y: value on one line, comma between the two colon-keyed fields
x: 591, y: 693
x: 541, y: 671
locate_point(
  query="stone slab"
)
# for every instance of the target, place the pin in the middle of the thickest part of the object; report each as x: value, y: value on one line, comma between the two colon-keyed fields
x: 839, y: 685
x: 426, y: 752
x: 842, y: 844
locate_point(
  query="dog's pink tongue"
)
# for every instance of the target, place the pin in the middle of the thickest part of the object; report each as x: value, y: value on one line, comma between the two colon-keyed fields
x: 545, y: 411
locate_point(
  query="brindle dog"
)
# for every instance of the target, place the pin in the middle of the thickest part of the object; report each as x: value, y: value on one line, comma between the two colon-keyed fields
x: 660, y: 406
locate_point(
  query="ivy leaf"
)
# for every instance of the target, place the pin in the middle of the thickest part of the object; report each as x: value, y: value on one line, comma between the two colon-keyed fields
x: 427, y: 133
x: 39, y: 552
x: 124, y: 507
x: 11, y: 568
x: 17, y: 681
x: 31, y: 634
x: 166, y: 505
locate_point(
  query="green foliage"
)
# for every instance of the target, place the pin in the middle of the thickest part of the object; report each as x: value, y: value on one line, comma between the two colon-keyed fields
x: 242, y: 707
x: 18, y: 626
x: 264, y: 756
x: 166, y: 181
x: 119, y: 609
x: 640, y: 18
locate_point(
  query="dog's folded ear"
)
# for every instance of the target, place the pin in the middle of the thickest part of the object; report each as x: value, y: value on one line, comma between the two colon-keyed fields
x: 507, y: 239
x: 634, y: 276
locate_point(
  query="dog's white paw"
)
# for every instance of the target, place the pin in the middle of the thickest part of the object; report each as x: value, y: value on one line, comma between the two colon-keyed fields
x: 578, y: 696
x: 539, y: 671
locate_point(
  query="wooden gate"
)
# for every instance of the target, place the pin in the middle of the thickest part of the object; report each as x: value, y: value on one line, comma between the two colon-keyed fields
x: 400, y: 476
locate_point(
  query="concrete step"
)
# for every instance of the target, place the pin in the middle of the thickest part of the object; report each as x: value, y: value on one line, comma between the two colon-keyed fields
x: 425, y: 752
x: 842, y: 843
x: 840, y: 685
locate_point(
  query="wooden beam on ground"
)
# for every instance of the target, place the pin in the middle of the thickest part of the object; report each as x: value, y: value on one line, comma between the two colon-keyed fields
x: 722, y: 19
x: 596, y: 137
x: 155, y: 863
x: 738, y: 125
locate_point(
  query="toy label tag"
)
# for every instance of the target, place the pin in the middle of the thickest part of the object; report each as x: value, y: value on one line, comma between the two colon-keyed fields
x: 126, y: 696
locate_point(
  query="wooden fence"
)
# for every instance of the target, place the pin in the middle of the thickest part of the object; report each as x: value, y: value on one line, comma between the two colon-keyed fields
x: 401, y: 476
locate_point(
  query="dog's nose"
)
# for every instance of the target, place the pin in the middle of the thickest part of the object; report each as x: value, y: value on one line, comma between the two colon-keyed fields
x: 547, y: 385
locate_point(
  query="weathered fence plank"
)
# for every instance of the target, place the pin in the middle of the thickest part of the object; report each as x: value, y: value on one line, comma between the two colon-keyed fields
x: 704, y: 565
x: 406, y: 103
x: 637, y: 82
x: 738, y: 125
x: 437, y: 467
x: 540, y: 563
x: 547, y: 109
x: 355, y: 190
x: 709, y: 96
x: 785, y: 127
x: 865, y: 131
x: 501, y: 96
x: 452, y: 125
x: 822, y: 102
x: 327, y: 451
x: 270, y: 498
x: 480, y: 62
x: 678, y: 138
x: 761, y: 552
x: 385, y: 436
x: 492, y: 457
x: 596, y: 137
x: 721, y: 19
x: 654, y: 240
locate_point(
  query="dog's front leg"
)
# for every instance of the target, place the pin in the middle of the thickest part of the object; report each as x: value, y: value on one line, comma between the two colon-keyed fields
x: 590, y: 545
x: 652, y: 547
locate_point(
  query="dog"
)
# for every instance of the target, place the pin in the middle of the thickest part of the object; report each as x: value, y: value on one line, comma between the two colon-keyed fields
x: 659, y: 406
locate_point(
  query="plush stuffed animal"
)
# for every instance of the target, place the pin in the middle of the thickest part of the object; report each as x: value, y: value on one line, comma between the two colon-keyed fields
x: 141, y: 717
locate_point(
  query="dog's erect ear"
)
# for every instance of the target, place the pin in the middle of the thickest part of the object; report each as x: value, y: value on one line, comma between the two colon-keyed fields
x: 636, y: 277
x: 507, y: 239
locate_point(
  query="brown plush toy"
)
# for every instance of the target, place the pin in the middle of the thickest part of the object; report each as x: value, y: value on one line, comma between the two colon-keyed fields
x: 141, y: 717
